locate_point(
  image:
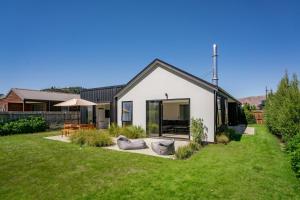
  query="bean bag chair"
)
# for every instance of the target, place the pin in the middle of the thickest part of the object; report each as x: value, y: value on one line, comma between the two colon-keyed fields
x: 126, y: 144
x: 164, y: 147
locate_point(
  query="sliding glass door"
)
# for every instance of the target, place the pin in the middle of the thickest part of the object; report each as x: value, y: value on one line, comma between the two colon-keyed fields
x: 153, y: 117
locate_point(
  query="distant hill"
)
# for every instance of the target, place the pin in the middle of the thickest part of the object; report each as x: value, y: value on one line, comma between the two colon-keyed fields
x: 1, y: 96
x: 258, y: 101
x: 73, y: 90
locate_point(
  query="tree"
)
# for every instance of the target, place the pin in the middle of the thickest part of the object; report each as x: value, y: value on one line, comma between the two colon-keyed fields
x: 73, y: 90
x: 282, y: 110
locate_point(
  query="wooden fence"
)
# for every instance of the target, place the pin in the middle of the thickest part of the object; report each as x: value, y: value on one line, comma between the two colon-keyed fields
x: 54, y: 119
x: 259, y: 116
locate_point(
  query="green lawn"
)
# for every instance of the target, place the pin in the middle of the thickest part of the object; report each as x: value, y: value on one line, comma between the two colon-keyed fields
x: 35, y: 168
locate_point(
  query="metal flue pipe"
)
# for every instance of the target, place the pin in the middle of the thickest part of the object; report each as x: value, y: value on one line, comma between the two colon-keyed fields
x: 215, y: 78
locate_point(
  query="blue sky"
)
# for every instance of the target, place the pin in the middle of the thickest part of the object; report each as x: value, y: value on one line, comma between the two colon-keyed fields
x: 99, y: 43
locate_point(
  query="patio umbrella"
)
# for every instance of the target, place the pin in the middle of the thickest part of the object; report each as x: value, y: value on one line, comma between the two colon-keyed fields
x: 75, y: 102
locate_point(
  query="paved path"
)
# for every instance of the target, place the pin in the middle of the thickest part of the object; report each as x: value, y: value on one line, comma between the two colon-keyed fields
x: 59, y: 138
x: 249, y: 131
x: 149, y: 151
x: 243, y: 129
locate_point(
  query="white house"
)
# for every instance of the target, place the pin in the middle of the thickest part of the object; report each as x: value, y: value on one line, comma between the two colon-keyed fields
x: 163, y: 99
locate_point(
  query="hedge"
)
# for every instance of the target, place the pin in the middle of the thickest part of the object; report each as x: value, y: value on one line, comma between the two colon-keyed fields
x: 282, y: 116
x: 27, y: 125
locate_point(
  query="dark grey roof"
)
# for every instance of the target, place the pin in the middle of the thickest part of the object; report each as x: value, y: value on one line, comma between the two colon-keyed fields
x: 179, y: 72
x: 43, y: 95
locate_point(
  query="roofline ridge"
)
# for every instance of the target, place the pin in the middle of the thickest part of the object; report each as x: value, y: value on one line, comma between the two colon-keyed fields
x: 36, y: 90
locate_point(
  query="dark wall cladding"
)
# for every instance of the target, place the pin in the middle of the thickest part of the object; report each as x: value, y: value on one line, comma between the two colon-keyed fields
x: 102, y: 94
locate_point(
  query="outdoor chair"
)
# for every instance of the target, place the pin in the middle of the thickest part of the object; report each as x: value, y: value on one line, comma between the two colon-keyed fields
x: 126, y: 144
x: 164, y: 147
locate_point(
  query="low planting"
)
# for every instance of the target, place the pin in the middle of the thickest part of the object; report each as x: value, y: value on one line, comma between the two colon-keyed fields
x: 187, y: 151
x: 27, y: 125
x: 94, y: 138
x: 114, y: 130
x: 222, y: 138
x: 131, y: 132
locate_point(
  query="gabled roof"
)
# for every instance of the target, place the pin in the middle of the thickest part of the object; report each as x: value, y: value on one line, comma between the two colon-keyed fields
x: 179, y: 72
x: 159, y: 63
x: 43, y: 95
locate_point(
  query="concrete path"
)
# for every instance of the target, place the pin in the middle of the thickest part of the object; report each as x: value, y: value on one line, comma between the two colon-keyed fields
x: 149, y: 151
x: 59, y: 138
x: 249, y: 131
x: 243, y: 129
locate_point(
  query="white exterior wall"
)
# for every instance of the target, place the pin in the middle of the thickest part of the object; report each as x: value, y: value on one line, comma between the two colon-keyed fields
x: 154, y: 87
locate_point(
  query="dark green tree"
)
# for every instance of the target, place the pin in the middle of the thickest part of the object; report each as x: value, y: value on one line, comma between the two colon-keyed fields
x: 282, y: 110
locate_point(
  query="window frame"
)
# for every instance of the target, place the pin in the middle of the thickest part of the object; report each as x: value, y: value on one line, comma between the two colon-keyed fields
x: 131, y: 116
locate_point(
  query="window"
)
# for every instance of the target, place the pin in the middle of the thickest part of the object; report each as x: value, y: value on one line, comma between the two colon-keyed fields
x: 226, y: 111
x: 219, y: 112
x: 90, y: 114
x: 184, y: 112
x: 222, y: 111
x: 126, y: 113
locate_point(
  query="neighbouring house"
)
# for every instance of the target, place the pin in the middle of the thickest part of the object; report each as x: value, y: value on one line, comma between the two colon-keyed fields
x: 163, y: 99
x: 104, y: 113
x: 33, y: 100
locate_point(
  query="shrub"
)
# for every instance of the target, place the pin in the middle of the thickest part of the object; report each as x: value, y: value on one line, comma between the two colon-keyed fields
x: 195, y: 146
x: 78, y: 138
x: 233, y: 135
x: 184, y: 152
x: 91, y: 138
x: 114, y: 130
x: 27, y: 125
x: 133, y: 132
x: 222, y: 138
x: 293, y: 144
x: 293, y: 148
x: 187, y: 151
x: 249, y: 116
x: 295, y: 161
x: 197, y: 130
